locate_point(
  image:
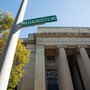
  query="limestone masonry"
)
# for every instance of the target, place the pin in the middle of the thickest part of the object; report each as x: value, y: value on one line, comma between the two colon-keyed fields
x: 59, y: 60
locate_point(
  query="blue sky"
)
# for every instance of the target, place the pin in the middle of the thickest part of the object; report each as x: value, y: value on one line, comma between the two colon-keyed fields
x: 70, y: 13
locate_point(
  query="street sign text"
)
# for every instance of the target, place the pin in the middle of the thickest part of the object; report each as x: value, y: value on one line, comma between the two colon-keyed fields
x: 37, y: 21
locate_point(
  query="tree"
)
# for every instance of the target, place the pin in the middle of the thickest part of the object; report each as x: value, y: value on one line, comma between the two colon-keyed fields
x: 6, y: 20
x: 20, y: 60
x: 21, y: 54
x: 2, y: 43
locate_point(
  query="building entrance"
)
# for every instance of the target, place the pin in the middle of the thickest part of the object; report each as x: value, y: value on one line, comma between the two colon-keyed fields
x: 51, y: 73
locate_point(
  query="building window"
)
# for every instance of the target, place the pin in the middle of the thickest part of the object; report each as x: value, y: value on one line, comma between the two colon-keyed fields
x: 50, y: 59
x: 51, y: 73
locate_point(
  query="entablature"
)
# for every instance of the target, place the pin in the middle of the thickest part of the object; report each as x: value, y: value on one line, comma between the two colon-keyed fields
x: 62, y: 34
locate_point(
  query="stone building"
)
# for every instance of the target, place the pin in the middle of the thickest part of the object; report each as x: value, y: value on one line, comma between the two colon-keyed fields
x: 60, y: 59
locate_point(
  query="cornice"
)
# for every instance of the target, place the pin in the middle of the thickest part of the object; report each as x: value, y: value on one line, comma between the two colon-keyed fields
x: 55, y: 35
x: 62, y: 35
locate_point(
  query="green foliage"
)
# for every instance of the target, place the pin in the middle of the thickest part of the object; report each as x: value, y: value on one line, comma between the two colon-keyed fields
x: 21, y: 54
x: 20, y: 60
x: 6, y: 20
x: 4, y: 36
x: 2, y: 43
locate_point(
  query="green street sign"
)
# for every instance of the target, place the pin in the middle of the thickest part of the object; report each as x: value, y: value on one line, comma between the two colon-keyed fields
x: 37, y: 21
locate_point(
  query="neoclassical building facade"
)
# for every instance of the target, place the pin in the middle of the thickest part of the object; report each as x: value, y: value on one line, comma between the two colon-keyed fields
x: 59, y: 60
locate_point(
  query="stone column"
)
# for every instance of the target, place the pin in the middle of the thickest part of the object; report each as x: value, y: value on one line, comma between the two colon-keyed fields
x: 40, y: 68
x: 83, y: 73
x: 64, y: 71
x: 76, y: 78
x: 85, y: 60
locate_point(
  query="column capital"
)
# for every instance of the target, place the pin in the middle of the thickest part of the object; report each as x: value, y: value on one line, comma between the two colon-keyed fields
x: 82, y: 45
x: 61, y: 46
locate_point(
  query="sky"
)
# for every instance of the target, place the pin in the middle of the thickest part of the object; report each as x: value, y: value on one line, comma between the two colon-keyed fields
x: 70, y: 13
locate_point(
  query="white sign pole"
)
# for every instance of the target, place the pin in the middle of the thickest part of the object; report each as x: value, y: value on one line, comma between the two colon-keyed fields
x: 9, y: 50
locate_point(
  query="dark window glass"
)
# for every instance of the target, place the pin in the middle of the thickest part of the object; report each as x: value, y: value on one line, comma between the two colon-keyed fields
x: 51, y: 73
x: 50, y: 59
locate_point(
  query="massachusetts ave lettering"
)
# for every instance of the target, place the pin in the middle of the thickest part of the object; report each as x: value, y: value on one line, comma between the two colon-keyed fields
x: 37, y: 21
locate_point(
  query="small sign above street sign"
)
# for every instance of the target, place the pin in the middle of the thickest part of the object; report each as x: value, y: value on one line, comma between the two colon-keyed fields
x: 37, y: 21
